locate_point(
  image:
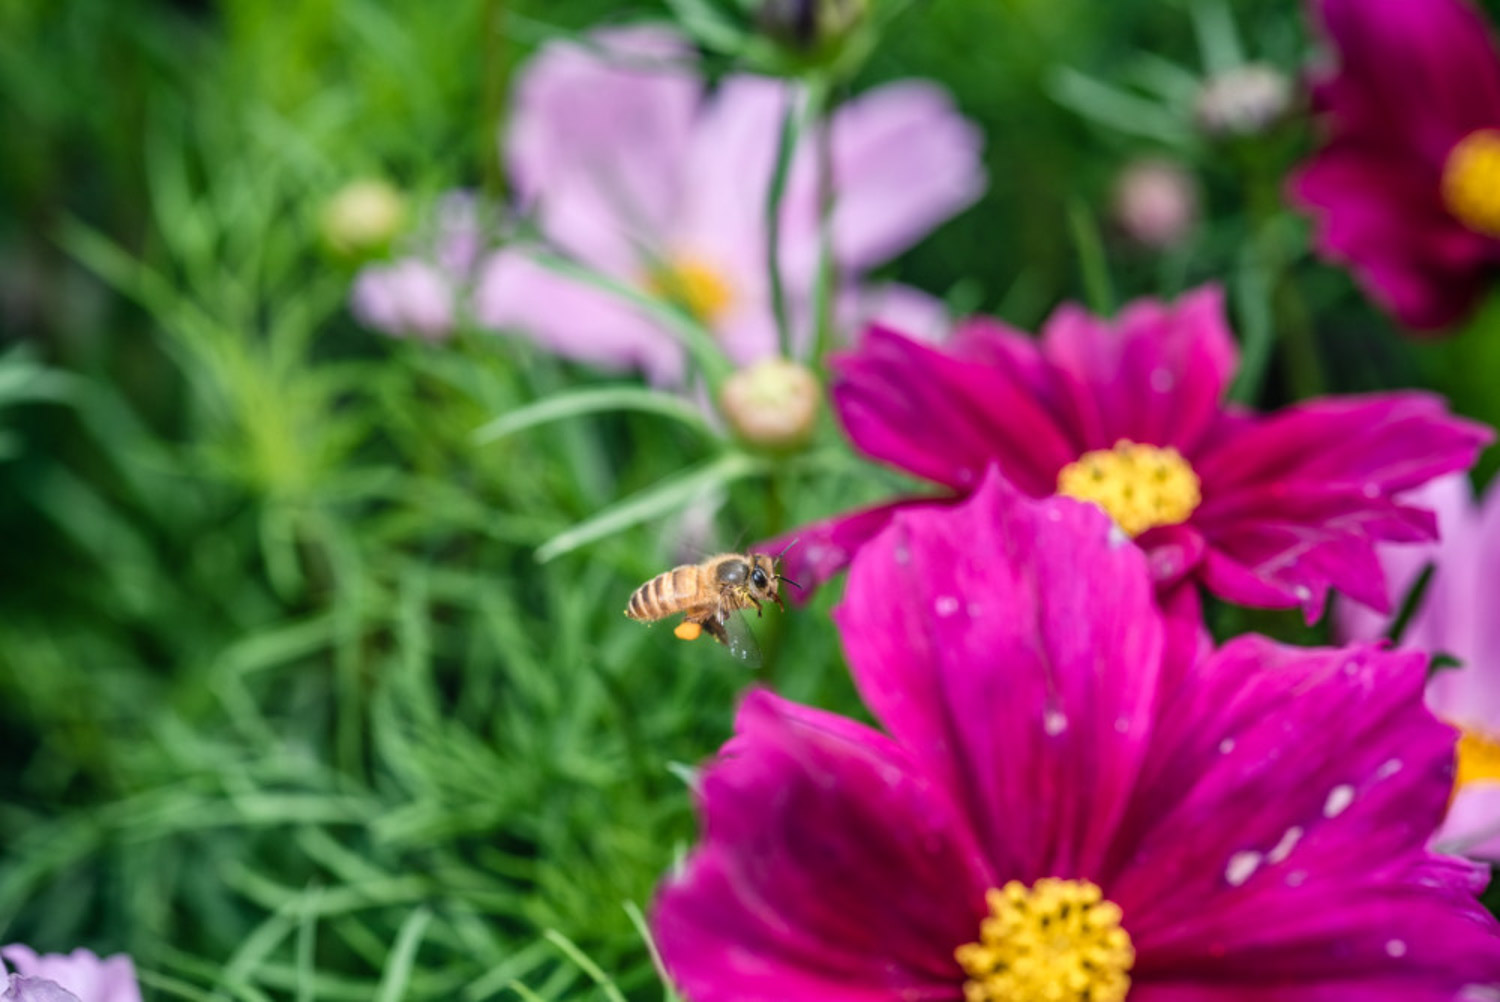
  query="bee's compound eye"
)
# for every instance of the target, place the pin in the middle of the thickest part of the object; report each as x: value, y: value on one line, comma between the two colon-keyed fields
x: 759, y: 578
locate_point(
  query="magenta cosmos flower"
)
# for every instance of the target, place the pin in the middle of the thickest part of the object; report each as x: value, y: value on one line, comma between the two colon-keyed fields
x: 1456, y: 616
x: 1064, y: 806
x: 80, y: 976
x: 1406, y: 188
x: 1266, y: 510
x: 631, y: 169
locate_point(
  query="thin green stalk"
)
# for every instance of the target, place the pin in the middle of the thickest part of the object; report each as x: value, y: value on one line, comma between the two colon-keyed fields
x: 786, y: 147
x: 820, y: 108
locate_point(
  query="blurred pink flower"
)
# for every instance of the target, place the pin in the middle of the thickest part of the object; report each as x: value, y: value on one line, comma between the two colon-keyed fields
x: 80, y: 976
x: 1065, y: 803
x: 631, y: 169
x: 1456, y: 617
x: 1264, y: 510
x: 1155, y: 203
x: 1406, y: 189
x: 420, y: 293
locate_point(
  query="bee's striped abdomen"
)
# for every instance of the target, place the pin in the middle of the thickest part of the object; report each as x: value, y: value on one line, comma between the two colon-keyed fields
x: 664, y: 594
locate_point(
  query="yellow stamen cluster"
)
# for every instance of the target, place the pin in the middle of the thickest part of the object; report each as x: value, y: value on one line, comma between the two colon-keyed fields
x: 1478, y: 759
x: 1056, y: 941
x: 694, y: 285
x: 1471, y: 182
x: 1139, y: 486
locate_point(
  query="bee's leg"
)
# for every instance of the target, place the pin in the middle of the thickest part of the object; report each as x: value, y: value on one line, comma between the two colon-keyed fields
x: 755, y: 602
x: 779, y: 603
x: 715, y: 628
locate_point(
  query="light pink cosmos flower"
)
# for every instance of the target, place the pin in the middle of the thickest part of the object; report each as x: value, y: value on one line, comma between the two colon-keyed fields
x: 419, y: 293
x: 80, y: 976
x: 631, y: 169
x: 1457, y: 616
x: 1066, y: 804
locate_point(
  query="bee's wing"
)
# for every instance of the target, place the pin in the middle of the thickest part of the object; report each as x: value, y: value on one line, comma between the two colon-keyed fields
x: 738, y: 638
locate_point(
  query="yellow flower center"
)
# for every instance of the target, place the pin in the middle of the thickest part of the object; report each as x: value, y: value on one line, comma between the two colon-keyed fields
x: 1478, y: 759
x: 1139, y: 486
x: 1056, y: 941
x: 694, y: 285
x: 1471, y: 182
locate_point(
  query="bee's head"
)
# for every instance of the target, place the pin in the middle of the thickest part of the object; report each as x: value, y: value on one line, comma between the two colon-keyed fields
x: 764, y: 582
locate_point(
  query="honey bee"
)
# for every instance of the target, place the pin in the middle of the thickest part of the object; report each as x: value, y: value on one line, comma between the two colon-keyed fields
x: 707, y: 594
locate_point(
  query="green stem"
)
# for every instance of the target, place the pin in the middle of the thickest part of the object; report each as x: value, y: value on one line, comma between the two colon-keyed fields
x: 787, y: 144
x: 820, y: 109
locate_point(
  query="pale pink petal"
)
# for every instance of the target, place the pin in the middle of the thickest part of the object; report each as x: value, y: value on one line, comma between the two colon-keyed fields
x: 575, y: 320
x: 904, y: 160
x: 598, y: 136
x: 1472, y: 827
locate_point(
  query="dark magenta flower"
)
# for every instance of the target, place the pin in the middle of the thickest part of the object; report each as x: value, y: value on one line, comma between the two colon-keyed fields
x: 1265, y: 510
x: 1067, y: 806
x: 1406, y: 188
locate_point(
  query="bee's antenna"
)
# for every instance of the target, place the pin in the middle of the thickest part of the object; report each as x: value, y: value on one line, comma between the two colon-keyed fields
x: 788, y: 546
x: 783, y: 577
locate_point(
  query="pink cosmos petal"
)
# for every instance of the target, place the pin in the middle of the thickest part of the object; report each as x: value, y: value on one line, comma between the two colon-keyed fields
x: 733, y: 155
x: 598, y: 136
x: 1299, y: 499
x: 904, y: 160
x: 408, y: 296
x: 86, y: 975
x: 1156, y: 374
x: 898, y: 307
x: 813, y: 553
x: 831, y: 869
x: 944, y: 418
x: 19, y: 989
x: 1472, y: 827
x: 980, y: 637
x: 572, y: 319
x: 1354, y: 760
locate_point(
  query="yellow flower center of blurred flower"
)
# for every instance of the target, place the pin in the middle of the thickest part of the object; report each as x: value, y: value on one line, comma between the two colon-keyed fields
x: 1056, y: 941
x: 1478, y: 759
x: 1139, y: 486
x: 694, y: 285
x: 1471, y: 182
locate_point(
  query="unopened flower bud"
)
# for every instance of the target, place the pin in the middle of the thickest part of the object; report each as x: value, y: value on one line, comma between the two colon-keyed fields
x: 1155, y: 203
x: 1243, y: 101
x: 362, y: 218
x: 810, y: 25
x: 772, y: 404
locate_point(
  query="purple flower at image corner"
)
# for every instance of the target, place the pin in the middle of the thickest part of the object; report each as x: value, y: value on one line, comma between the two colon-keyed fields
x: 1405, y: 188
x: 632, y: 169
x: 419, y: 294
x: 80, y: 976
x: 1455, y: 616
x: 1265, y: 510
x: 1067, y: 803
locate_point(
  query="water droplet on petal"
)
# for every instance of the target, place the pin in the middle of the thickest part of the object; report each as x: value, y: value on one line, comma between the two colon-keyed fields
x: 1284, y: 848
x: 1053, y: 515
x: 1388, y: 768
x: 1395, y: 948
x: 1242, y: 865
x: 946, y: 605
x: 1302, y: 592
x: 1371, y: 491
x: 1122, y: 725
x: 974, y: 609
x: 1054, y: 722
x: 1226, y: 746
x: 1117, y: 536
x: 1339, y: 799
x: 902, y: 554
x: 1296, y: 878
